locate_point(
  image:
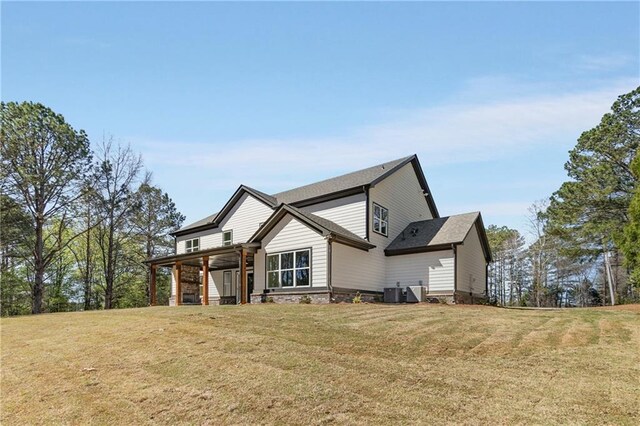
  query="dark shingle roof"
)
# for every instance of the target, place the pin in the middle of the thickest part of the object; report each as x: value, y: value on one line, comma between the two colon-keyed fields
x: 340, y: 183
x: 268, y: 198
x: 433, y: 233
x: 206, y: 220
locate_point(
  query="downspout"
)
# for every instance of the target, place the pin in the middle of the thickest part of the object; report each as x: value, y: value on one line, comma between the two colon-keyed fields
x: 365, y: 189
x: 455, y: 272
x: 486, y: 280
x: 329, y: 239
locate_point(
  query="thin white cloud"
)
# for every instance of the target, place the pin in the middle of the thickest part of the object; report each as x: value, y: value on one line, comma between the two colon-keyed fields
x: 604, y: 62
x: 452, y: 133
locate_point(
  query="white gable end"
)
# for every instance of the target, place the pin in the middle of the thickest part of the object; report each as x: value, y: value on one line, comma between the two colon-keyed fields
x: 243, y: 219
x: 291, y: 234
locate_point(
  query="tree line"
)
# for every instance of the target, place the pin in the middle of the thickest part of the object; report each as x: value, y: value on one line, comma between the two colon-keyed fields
x: 76, y: 222
x: 585, y: 248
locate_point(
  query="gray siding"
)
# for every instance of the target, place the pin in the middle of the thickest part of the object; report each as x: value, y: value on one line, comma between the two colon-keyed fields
x: 471, y: 264
x: 434, y: 269
x: 291, y: 234
x: 351, y: 268
x: 348, y: 212
x: 402, y: 195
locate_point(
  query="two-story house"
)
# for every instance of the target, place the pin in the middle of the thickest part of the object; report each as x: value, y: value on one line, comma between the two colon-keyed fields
x: 357, y: 233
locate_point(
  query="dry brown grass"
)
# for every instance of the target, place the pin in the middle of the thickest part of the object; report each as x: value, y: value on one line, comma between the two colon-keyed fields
x: 309, y: 364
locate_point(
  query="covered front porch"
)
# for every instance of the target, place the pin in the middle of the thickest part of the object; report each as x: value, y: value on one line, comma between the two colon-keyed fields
x: 192, y: 275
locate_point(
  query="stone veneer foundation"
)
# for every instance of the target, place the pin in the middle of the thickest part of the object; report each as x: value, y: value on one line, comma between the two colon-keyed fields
x: 346, y: 296
x: 315, y: 297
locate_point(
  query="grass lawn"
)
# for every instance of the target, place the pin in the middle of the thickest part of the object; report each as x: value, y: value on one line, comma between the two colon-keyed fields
x: 317, y: 364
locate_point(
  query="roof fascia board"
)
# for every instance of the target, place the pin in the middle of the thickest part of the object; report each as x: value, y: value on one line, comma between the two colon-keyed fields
x: 392, y: 170
x: 439, y: 247
x: 482, y: 236
x: 225, y: 210
x: 278, y: 215
x: 200, y: 253
x: 417, y: 168
x: 329, y: 197
x: 266, y: 226
x: 355, y: 244
x: 484, y: 240
x: 235, y: 198
x: 195, y: 229
x: 425, y: 186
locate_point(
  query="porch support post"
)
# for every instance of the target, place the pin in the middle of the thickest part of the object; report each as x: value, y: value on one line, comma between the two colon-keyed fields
x: 178, y: 283
x: 205, y: 280
x: 152, y: 286
x: 243, y: 277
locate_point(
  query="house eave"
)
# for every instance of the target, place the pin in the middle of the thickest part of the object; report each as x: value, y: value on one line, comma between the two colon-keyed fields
x: 329, y: 197
x: 206, y: 226
x: 362, y: 245
x: 423, y: 249
x: 171, y: 259
x: 225, y: 210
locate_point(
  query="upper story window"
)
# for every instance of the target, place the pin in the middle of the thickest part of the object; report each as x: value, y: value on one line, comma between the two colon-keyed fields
x: 380, y: 220
x: 227, y: 238
x: 192, y: 245
x: 289, y: 269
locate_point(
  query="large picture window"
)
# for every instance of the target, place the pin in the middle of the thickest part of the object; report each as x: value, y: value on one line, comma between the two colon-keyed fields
x: 289, y: 269
x: 380, y: 220
x: 192, y: 245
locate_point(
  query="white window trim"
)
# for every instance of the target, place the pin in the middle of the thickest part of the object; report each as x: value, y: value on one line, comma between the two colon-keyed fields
x: 230, y: 232
x: 188, y: 249
x: 373, y: 220
x: 293, y: 270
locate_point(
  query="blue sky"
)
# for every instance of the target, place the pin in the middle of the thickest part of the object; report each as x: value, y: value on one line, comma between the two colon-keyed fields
x: 491, y: 96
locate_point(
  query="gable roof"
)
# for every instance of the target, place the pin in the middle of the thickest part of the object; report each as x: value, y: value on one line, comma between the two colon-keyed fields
x: 438, y: 234
x: 332, y: 188
x: 207, y: 220
x: 214, y: 220
x: 356, y: 179
x: 354, y: 182
x: 319, y: 224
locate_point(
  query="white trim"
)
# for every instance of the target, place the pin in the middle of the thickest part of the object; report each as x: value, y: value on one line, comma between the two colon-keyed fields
x: 293, y: 269
x: 380, y: 220
x: 193, y: 247
x: 227, y: 242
